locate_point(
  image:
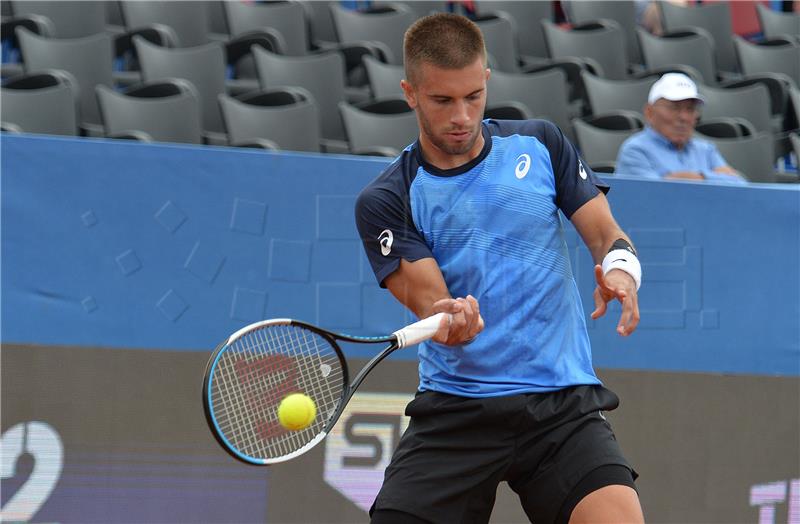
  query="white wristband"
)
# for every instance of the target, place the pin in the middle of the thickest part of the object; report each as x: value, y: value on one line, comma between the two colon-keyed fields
x: 626, y: 261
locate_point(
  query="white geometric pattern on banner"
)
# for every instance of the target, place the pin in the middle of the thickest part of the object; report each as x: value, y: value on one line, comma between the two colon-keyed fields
x: 359, y: 447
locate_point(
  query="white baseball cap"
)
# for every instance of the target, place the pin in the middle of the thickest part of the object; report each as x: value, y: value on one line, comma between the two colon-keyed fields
x: 674, y: 86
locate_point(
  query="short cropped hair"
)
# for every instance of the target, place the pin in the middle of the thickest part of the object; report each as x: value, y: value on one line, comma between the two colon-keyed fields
x: 444, y: 40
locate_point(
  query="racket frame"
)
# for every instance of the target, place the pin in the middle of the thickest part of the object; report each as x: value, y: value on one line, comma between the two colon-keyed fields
x: 348, y: 388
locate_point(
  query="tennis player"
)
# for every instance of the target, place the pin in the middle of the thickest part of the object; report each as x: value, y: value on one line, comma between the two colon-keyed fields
x: 466, y: 221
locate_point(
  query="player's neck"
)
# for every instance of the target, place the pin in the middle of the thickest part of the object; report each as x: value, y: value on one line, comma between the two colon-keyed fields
x: 444, y: 160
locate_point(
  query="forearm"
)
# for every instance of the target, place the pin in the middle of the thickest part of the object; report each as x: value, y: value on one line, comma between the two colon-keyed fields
x: 602, y: 248
x: 720, y: 174
x: 725, y: 174
x: 418, y: 285
x: 597, y: 227
x: 684, y: 175
x: 620, y: 275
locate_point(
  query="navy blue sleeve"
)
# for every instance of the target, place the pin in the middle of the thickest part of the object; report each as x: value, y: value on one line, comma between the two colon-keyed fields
x: 385, y: 224
x: 576, y: 183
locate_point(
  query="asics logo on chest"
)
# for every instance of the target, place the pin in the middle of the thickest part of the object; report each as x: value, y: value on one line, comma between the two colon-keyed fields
x: 523, y: 165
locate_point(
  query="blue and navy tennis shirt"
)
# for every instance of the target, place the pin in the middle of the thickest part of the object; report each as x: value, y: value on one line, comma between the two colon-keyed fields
x: 494, y: 229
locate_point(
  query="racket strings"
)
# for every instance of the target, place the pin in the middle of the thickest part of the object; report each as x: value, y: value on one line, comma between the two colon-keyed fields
x: 264, y: 395
x: 254, y: 374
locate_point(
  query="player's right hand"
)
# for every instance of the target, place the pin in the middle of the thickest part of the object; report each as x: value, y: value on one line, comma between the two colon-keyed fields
x: 466, y: 320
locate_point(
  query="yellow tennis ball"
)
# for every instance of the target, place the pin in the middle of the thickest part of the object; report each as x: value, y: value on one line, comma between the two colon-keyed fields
x: 297, y: 411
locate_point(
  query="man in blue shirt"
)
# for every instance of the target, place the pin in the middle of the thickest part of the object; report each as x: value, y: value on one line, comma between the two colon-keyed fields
x: 468, y: 221
x: 666, y: 149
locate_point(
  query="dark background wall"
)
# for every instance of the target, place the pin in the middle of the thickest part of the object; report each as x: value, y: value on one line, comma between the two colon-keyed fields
x: 124, y: 264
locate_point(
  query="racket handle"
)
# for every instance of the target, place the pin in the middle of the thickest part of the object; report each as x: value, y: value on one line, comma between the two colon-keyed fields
x: 419, y: 331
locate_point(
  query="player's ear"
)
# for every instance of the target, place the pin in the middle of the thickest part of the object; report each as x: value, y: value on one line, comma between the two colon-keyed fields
x: 409, y: 93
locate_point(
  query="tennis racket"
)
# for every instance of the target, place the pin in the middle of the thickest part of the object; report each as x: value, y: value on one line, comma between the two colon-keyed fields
x: 251, y: 372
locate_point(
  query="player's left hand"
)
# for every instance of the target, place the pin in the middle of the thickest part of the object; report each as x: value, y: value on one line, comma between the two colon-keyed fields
x: 619, y: 285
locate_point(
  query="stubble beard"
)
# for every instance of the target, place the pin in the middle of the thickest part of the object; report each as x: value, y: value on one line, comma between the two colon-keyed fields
x: 440, y: 142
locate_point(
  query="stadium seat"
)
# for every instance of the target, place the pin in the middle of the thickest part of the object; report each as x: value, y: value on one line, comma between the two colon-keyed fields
x: 286, y: 119
x: 42, y: 102
x: 617, y: 120
x: 188, y: 19
x: 749, y: 102
x: 287, y: 18
x: 724, y: 127
x: 792, y: 116
x: 239, y: 56
x: 321, y: 74
x: 384, y: 79
x: 385, y: 26
x: 509, y: 110
x: 203, y: 66
x: 751, y: 155
x: 795, y: 138
x: 601, y: 41
x: 320, y: 22
x: 383, y: 127
x: 497, y: 29
x: 114, y: 18
x: 691, y: 49
x: 778, y: 86
x: 608, y: 168
x: 217, y: 22
x: 544, y: 94
x: 599, y: 137
x: 420, y: 8
x: 191, y: 24
x: 40, y: 25
x: 88, y: 59
x: 195, y: 23
x: 290, y: 21
x: 162, y: 111
x: 775, y: 56
x: 714, y: 17
x: 36, y: 24
x: 621, y: 11
x: 498, y: 35
x: 775, y: 24
x: 71, y: 19
x: 606, y: 95
x: 527, y: 31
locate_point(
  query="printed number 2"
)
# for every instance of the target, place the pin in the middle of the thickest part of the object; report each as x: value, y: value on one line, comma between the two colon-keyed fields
x: 42, y: 442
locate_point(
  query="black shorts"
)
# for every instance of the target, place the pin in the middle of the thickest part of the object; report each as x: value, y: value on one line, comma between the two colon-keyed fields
x: 456, y: 451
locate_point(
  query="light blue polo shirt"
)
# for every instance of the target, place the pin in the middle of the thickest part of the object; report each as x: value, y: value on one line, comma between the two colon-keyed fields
x: 649, y: 154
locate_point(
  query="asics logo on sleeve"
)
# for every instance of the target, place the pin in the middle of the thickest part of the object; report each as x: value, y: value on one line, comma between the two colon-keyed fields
x: 581, y: 170
x: 523, y: 165
x: 385, y: 239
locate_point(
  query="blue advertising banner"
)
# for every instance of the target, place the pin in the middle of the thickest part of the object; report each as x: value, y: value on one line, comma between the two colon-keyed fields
x: 131, y: 245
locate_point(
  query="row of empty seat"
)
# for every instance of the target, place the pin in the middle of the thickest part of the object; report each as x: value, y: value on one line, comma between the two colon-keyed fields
x: 170, y: 111
x: 240, y: 54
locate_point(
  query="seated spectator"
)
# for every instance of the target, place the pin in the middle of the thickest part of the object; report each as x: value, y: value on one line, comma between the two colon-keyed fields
x: 649, y: 17
x: 647, y: 14
x: 666, y: 148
